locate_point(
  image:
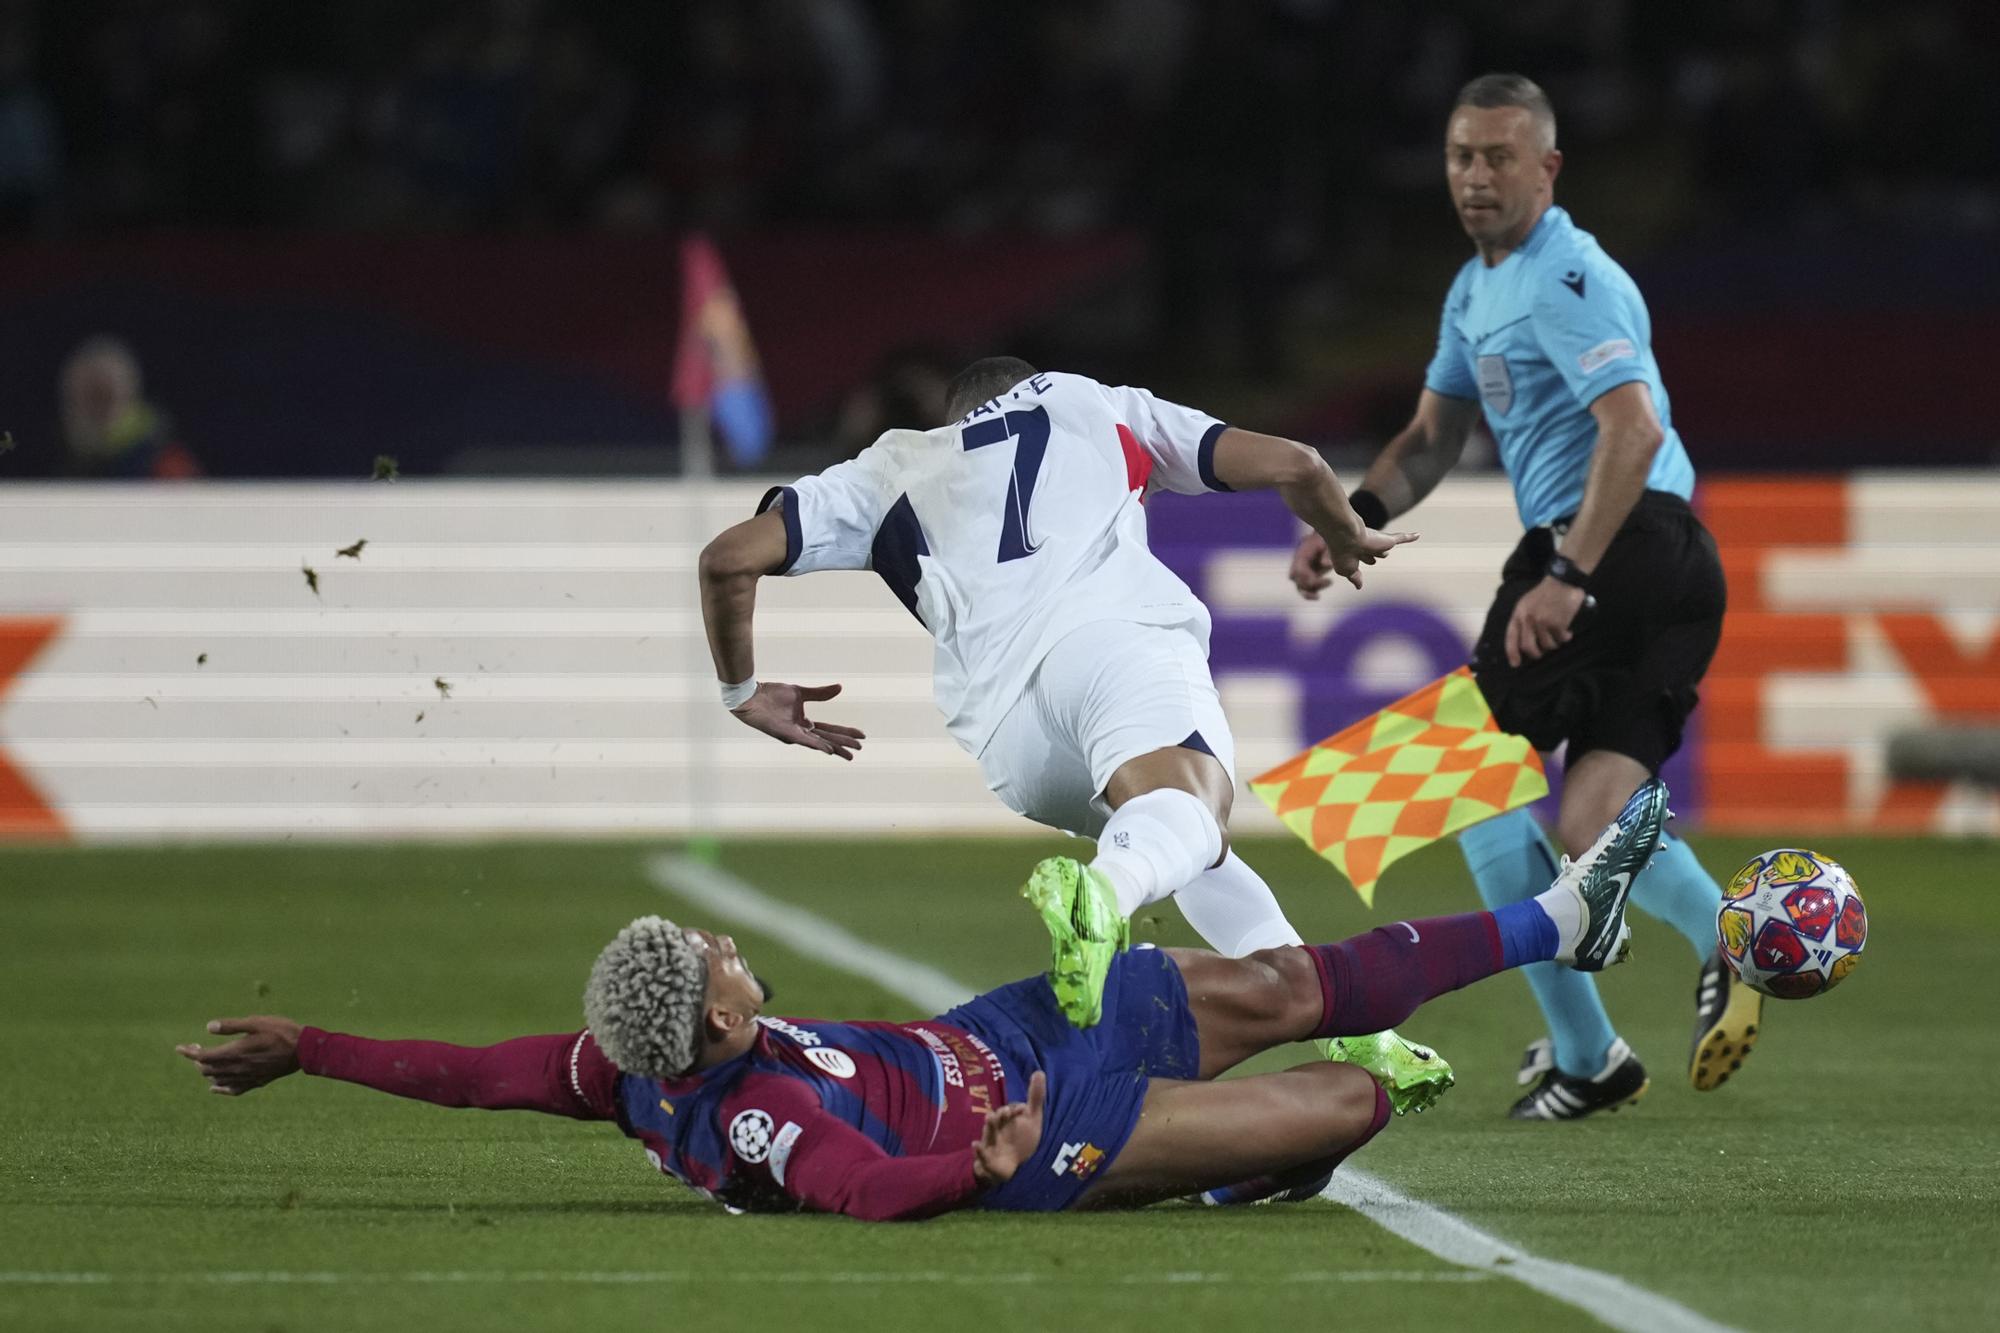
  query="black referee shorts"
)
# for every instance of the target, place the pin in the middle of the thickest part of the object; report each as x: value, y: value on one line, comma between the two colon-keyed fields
x: 1626, y: 680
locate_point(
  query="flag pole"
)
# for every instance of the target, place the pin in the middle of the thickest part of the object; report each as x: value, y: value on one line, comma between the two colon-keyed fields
x: 716, y: 384
x: 698, y: 477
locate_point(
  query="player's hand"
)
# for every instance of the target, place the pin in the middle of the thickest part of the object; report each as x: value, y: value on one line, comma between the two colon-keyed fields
x: 1347, y: 552
x: 1312, y: 566
x: 1541, y: 620
x: 266, y: 1050
x: 1011, y: 1136
x: 779, y: 711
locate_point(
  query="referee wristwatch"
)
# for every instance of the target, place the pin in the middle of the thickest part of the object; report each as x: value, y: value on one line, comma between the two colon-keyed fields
x: 1565, y: 570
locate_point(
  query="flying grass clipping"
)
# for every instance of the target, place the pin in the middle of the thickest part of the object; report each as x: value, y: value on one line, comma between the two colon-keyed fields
x: 1431, y: 763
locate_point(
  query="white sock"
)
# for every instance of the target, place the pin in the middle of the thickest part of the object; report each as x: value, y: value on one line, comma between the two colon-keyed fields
x: 1565, y: 907
x: 1154, y: 844
x: 1234, y: 910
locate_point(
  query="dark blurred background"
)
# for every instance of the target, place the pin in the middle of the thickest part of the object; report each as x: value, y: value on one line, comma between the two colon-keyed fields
x: 278, y: 239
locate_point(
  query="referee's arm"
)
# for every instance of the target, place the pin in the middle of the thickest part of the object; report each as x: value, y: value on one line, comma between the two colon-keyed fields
x: 1628, y: 435
x: 1412, y: 464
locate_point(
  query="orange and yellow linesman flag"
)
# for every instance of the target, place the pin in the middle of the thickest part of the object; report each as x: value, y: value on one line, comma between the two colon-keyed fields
x: 1429, y: 764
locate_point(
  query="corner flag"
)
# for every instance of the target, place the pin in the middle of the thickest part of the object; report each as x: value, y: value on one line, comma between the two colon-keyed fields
x: 1429, y: 764
x: 715, y: 365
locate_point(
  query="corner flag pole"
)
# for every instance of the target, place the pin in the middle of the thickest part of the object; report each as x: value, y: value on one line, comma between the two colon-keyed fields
x: 698, y: 478
x: 717, y: 386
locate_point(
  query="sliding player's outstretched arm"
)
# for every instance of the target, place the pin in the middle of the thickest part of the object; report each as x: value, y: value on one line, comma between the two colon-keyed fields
x: 560, y: 1073
x: 1245, y: 460
x: 816, y: 1158
x: 730, y: 568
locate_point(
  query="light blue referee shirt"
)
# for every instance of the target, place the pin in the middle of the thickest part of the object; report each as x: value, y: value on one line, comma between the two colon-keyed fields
x: 1535, y: 340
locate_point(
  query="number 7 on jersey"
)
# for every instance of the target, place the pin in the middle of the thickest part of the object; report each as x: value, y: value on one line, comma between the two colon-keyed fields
x: 1031, y: 429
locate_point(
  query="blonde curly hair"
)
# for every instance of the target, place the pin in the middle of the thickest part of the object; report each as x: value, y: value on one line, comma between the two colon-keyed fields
x: 644, y: 999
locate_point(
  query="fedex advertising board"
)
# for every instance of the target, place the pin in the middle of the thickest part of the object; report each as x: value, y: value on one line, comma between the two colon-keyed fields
x: 219, y: 661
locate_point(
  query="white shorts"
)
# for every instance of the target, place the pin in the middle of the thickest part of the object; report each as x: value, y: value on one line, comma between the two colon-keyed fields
x: 1107, y: 692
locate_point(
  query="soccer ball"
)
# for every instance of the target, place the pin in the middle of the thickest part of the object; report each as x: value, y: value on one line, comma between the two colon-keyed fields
x: 1792, y: 924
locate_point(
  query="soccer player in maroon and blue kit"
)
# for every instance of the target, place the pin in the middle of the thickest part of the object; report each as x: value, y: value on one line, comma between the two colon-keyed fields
x: 1000, y: 1103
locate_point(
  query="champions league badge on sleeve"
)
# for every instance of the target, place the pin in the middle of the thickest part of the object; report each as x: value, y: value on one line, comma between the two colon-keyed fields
x: 750, y: 1136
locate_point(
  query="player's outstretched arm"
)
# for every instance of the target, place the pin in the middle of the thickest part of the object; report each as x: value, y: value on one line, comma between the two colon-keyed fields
x: 265, y: 1050
x: 560, y: 1073
x: 729, y: 570
x: 1406, y: 470
x: 1245, y: 460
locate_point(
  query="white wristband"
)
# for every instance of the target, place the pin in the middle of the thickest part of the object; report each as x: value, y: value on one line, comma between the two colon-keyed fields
x: 735, y: 696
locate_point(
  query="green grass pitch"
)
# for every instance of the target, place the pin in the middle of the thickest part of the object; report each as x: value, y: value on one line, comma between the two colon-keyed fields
x: 1847, y: 1177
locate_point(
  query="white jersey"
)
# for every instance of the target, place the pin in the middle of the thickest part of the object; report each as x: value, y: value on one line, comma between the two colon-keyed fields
x: 1007, y: 530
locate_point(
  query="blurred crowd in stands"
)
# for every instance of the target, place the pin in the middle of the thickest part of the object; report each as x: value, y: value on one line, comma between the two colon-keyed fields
x: 1279, y: 159
x: 1190, y: 118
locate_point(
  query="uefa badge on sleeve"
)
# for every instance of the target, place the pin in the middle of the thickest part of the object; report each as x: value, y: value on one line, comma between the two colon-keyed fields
x: 750, y: 1136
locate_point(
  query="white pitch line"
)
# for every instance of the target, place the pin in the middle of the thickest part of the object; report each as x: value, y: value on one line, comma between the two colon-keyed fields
x: 715, y: 890
x: 643, y: 1277
x: 1610, y: 1300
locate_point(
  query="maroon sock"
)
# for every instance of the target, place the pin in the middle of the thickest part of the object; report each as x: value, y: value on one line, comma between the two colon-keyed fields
x: 1377, y: 980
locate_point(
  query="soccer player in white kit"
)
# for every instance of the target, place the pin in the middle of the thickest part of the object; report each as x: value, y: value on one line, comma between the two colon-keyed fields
x: 1070, y: 662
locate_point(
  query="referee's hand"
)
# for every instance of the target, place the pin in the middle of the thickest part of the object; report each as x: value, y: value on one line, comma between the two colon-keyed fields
x: 1542, y: 619
x: 1350, y: 552
x: 1312, y: 566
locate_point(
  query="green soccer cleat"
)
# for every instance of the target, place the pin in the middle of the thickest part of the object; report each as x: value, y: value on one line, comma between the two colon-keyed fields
x: 1081, y: 911
x: 1414, y: 1076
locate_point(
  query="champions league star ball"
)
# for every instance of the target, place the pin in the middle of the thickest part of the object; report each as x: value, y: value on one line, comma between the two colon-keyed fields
x: 1792, y: 924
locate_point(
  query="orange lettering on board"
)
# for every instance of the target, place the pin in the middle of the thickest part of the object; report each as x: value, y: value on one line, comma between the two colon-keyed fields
x: 23, y: 812
x: 1909, y: 807
x: 1955, y: 684
x: 1745, y: 784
